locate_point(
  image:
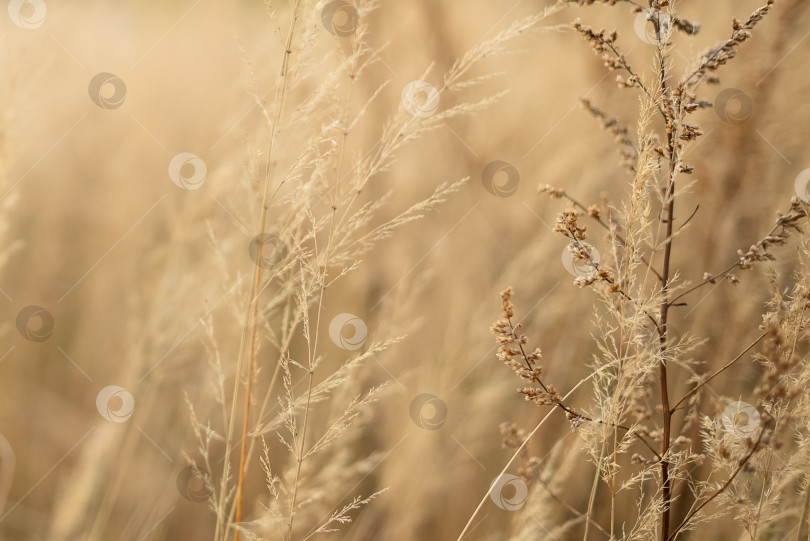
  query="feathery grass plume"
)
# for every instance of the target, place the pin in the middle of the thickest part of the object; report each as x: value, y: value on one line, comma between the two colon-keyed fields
x: 314, y: 229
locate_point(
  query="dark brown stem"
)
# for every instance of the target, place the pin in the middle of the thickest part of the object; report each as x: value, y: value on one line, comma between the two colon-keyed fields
x: 669, y: 198
x: 666, y: 411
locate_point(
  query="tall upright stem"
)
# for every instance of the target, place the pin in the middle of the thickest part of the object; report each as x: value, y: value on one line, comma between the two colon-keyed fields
x: 666, y: 483
x: 669, y: 201
x: 281, y: 92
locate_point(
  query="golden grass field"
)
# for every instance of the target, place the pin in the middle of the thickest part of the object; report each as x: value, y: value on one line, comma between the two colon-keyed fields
x: 253, y: 253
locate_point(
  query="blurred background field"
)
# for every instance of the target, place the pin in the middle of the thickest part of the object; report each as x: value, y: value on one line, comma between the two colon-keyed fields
x: 96, y: 233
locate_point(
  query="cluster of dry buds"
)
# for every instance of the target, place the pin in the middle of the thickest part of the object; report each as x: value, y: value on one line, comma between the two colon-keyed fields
x: 786, y: 224
x: 728, y: 50
x: 582, y: 252
x: 513, y: 355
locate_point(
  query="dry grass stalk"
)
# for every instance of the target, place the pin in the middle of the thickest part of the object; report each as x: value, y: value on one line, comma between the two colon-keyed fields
x: 637, y: 350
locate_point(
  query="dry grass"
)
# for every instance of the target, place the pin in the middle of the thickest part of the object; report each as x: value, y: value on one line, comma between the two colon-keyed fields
x: 294, y: 314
